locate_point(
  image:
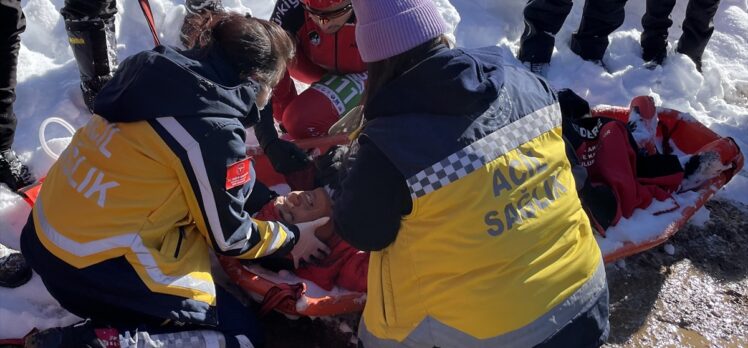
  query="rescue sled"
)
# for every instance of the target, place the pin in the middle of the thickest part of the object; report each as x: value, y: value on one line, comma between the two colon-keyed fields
x: 287, y: 293
x: 676, y: 133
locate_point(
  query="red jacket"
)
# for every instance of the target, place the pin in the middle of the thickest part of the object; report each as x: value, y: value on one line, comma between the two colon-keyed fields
x: 345, y: 266
x: 612, y: 159
x: 318, y: 53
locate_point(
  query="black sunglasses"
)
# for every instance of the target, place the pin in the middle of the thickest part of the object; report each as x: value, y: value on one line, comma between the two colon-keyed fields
x: 329, y: 14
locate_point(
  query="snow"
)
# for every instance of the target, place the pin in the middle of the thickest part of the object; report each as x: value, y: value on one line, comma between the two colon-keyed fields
x: 700, y: 218
x: 644, y: 225
x: 645, y: 131
x: 669, y: 249
x: 48, y: 87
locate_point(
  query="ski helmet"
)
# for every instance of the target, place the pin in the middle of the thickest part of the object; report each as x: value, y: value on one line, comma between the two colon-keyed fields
x: 319, y: 4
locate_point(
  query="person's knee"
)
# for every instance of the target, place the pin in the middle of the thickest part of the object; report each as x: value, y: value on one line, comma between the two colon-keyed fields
x: 10, y: 13
x: 247, y: 329
x: 310, y: 114
x: 236, y: 322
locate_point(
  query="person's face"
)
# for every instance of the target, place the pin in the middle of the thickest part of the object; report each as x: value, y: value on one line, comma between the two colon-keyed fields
x: 304, y: 206
x: 332, y: 18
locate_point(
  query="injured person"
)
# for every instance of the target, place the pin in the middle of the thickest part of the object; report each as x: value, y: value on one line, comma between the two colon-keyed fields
x: 345, y: 266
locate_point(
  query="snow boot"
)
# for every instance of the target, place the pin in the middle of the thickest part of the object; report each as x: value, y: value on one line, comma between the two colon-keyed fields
x: 195, y: 19
x: 643, y: 123
x: 94, y: 46
x: 14, y: 271
x: 77, y: 335
x: 85, y: 334
x: 14, y: 173
x: 654, y: 53
x: 695, y: 59
x: 710, y: 161
x: 700, y: 168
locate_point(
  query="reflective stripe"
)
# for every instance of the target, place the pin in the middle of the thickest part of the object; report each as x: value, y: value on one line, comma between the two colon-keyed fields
x: 131, y: 241
x: 192, y: 147
x: 488, y: 148
x: 431, y: 332
x: 179, y: 339
x: 277, y: 241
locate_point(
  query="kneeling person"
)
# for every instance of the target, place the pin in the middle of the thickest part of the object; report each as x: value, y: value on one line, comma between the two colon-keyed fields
x: 122, y: 228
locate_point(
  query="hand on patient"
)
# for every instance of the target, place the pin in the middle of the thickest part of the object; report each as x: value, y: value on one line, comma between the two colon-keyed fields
x: 309, y: 246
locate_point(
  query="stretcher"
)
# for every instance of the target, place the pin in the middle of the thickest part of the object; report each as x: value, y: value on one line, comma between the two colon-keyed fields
x: 677, y: 132
x: 681, y: 134
x: 291, y: 296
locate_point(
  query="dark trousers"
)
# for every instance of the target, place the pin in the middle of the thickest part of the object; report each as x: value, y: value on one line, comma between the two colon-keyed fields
x: 78, y: 9
x: 588, y: 330
x: 12, y: 24
x: 111, y: 294
x: 698, y: 26
x: 544, y: 18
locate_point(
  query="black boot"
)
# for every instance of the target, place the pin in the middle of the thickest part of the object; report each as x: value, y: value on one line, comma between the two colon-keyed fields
x: 194, y: 21
x: 695, y: 58
x: 94, y: 46
x: 78, y: 335
x: 654, y: 54
x: 14, y: 271
x: 14, y: 173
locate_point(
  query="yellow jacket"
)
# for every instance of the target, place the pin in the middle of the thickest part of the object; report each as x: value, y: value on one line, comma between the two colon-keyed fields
x: 496, y: 249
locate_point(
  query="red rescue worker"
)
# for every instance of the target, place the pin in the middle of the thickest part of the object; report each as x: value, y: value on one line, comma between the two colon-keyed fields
x: 328, y: 60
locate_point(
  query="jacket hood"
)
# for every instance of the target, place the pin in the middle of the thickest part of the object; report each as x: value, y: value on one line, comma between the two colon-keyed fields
x: 451, y: 82
x: 165, y: 82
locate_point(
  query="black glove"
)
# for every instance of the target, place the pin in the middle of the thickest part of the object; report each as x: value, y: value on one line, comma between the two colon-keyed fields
x: 285, y: 156
x: 572, y: 105
x: 330, y: 166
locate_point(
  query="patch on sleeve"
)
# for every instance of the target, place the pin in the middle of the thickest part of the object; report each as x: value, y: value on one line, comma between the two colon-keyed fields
x: 237, y: 174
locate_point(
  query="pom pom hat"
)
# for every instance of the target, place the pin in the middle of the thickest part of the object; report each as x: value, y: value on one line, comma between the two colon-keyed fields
x: 386, y: 28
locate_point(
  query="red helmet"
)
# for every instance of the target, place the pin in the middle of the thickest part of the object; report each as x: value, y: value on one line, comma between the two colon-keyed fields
x: 320, y: 4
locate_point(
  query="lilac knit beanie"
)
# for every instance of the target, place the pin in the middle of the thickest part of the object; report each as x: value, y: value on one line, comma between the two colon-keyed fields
x: 386, y: 28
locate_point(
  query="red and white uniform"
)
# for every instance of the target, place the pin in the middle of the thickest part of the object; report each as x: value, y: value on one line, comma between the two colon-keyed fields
x: 319, y: 56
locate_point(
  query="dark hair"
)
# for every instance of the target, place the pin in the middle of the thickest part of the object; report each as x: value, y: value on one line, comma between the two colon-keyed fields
x: 255, y: 47
x: 382, y: 72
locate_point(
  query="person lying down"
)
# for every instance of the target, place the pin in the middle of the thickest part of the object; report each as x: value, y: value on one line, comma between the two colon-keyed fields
x: 345, y: 266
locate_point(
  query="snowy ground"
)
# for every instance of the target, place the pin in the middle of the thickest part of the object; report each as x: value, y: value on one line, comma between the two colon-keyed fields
x: 693, y: 291
x: 48, y: 86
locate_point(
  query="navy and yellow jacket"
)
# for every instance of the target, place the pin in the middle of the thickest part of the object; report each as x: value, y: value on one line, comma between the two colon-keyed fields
x: 462, y: 189
x: 157, y: 177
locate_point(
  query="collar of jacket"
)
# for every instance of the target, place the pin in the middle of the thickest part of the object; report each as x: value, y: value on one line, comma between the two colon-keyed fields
x: 452, y: 82
x: 165, y: 82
